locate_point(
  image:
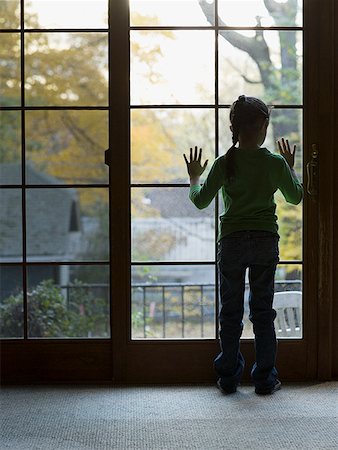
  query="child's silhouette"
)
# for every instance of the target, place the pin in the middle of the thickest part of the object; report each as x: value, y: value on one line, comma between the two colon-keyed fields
x: 248, y: 176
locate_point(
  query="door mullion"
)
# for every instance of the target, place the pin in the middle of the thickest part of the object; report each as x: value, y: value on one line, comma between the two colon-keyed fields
x: 119, y: 181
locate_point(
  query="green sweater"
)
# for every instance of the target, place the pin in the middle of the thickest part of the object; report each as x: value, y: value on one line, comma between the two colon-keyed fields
x: 249, y: 199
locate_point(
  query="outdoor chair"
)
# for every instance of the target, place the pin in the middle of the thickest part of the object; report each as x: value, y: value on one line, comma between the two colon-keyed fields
x: 288, y: 305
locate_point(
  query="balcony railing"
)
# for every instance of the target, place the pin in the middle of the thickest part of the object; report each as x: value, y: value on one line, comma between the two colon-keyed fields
x: 175, y: 310
x: 178, y: 310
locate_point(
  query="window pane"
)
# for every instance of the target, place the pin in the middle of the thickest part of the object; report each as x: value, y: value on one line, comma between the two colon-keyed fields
x: 67, y: 145
x: 287, y: 303
x: 290, y: 229
x: 166, y: 226
x: 10, y: 224
x: 159, y: 137
x: 66, y: 14
x: 275, y: 74
x: 288, y: 123
x: 11, y: 302
x: 173, y: 302
x: 68, y: 301
x: 167, y: 69
x: 66, y: 224
x: 171, y: 12
x: 9, y: 14
x: 251, y: 13
x: 10, y: 77
x: 66, y: 69
x: 10, y: 147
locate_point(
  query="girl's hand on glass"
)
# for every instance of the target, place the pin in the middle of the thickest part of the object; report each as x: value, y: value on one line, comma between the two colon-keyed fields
x: 285, y: 151
x: 194, y: 166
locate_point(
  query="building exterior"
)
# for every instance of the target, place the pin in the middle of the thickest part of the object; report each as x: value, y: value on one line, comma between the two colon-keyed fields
x: 53, y: 227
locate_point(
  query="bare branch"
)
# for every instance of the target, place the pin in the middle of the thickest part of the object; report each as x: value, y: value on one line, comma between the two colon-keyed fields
x: 78, y: 132
x: 245, y: 78
x: 256, y: 47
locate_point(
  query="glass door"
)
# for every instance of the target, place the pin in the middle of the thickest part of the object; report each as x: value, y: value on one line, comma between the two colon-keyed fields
x: 54, y: 190
x: 111, y: 273
x: 188, y: 62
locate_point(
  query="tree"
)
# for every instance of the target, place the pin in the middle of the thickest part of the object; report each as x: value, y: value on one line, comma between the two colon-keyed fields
x: 72, y: 72
x: 282, y: 85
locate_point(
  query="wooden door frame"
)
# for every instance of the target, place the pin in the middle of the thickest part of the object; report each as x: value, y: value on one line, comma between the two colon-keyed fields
x: 334, y: 355
x: 120, y: 360
x: 327, y: 138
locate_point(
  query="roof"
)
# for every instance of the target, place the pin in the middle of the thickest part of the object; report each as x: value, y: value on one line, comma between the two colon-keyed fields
x: 175, y: 202
x: 51, y: 214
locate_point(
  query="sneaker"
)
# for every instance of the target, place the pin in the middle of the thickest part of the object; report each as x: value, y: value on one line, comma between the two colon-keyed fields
x: 269, y: 391
x: 226, y: 390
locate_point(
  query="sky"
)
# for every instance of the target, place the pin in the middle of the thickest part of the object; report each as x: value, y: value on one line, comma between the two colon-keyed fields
x: 187, y: 61
x: 93, y: 13
x: 70, y: 13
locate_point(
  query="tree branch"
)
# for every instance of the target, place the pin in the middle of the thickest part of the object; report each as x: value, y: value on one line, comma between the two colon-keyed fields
x: 256, y: 47
x: 245, y: 78
x: 282, y: 11
x: 76, y: 131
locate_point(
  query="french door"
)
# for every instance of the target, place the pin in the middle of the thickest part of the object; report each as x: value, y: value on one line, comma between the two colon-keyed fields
x: 188, y: 61
x: 108, y: 272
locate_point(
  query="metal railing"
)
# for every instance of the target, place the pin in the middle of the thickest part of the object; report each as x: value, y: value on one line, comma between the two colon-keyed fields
x: 178, y: 304
x: 151, y: 304
x: 177, y: 310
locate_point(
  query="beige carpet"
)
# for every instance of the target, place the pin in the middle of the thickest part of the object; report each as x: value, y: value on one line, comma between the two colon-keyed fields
x: 300, y: 416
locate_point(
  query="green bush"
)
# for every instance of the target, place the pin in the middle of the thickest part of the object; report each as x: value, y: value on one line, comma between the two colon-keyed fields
x: 51, y: 315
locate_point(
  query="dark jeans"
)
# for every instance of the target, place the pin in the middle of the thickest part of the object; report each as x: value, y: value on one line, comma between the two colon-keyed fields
x: 258, y: 251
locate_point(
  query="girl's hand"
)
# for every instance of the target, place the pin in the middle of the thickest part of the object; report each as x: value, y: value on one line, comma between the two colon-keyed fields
x: 285, y: 151
x: 194, y: 167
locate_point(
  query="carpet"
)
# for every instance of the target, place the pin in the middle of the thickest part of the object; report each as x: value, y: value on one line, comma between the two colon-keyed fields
x: 300, y: 416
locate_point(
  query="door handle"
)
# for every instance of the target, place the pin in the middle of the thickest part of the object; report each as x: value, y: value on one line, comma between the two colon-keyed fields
x: 107, y: 155
x: 312, y: 172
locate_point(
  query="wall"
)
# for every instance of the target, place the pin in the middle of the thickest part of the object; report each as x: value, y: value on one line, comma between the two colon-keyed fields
x: 335, y: 211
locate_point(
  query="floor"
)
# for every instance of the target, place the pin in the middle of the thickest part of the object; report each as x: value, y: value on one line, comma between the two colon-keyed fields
x: 300, y: 416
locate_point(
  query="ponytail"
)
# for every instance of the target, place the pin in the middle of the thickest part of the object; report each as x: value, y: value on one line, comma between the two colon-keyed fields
x: 230, y: 163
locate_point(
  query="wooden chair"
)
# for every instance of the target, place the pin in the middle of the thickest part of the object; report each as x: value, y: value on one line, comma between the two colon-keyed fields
x: 288, y: 305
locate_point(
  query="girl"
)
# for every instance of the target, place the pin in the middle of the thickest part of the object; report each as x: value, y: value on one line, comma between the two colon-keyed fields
x: 248, y: 175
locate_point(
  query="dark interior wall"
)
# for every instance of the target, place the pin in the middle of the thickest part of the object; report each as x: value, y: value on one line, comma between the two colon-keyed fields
x: 335, y: 209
